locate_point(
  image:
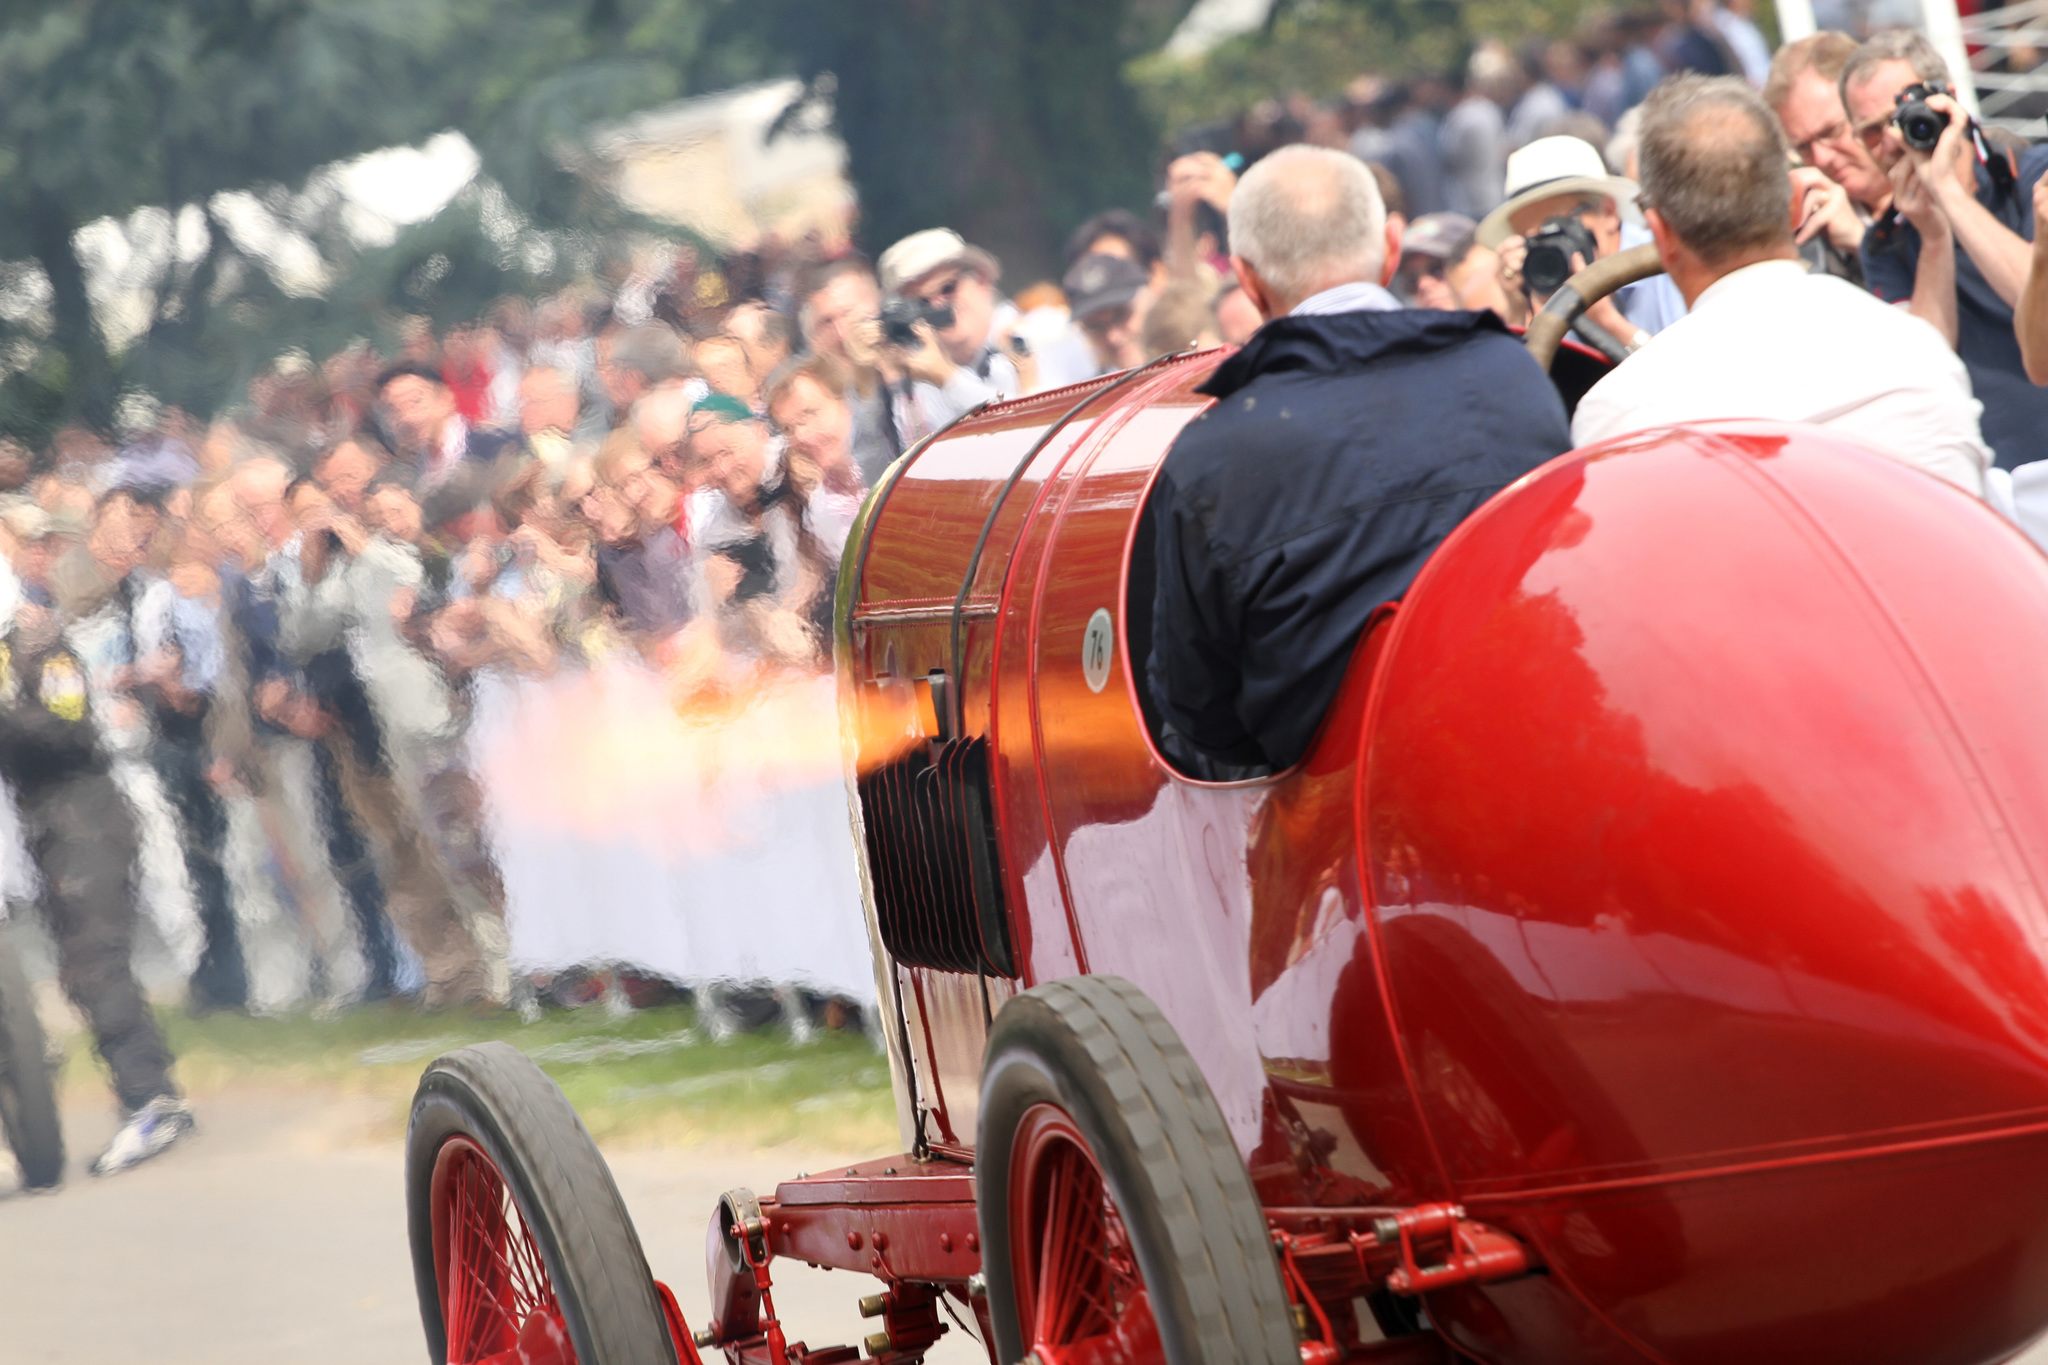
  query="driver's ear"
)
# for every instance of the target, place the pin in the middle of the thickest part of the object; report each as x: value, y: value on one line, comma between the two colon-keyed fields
x: 1254, y: 288
x: 1668, y: 244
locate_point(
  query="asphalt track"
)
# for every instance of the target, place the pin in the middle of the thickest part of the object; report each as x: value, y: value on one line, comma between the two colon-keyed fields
x: 278, y: 1234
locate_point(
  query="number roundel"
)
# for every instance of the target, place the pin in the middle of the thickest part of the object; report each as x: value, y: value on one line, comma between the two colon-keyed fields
x: 1098, y: 647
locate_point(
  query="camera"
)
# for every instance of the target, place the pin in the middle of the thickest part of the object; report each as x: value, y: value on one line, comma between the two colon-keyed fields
x: 1920, y: 127
x: 900, y: 317
x: 1551, y: 247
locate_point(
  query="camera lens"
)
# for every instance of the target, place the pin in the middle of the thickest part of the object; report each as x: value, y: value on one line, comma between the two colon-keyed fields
x: 1919, y: 126
x: 1545, y: 268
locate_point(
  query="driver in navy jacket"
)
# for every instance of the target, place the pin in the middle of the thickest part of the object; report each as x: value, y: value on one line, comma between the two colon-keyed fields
x: 1349, y: 437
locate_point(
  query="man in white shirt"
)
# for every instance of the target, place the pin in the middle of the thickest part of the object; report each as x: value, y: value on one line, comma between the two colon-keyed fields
x: 1763, y: 337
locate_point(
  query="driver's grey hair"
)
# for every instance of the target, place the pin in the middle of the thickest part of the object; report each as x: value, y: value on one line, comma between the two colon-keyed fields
x: 1308, y: 218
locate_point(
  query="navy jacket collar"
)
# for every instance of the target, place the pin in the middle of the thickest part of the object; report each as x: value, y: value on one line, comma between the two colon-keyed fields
x: 1336, y: 342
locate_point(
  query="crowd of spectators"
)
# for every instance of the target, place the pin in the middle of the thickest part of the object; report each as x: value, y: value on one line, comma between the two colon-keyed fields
x: 286, y: 610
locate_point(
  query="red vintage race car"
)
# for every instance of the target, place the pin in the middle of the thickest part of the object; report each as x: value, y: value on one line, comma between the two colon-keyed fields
x: 1648, y: 963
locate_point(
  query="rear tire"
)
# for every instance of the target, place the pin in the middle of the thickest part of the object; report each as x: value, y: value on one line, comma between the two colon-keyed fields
x: 1114, y: 1207
x: 516, y: 1224
x: 28, y: 1100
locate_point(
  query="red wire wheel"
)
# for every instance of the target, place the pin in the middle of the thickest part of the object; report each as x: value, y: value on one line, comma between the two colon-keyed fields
x: 1118, y: 1224
x: 522, y: 1250
x: 497, y: 1301
x: 1080, y: 1296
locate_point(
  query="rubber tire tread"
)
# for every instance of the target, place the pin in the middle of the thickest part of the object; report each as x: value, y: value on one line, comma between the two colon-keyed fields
x: 1102, y: 1051
x: 494, y: 1095
x: 28, y: 1098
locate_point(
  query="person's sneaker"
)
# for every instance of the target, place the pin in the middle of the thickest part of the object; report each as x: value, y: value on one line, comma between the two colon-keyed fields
x: 150, y: 1129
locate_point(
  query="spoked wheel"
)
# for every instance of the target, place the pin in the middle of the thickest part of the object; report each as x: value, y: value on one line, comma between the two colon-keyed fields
x: 522, y: 1250
x: 1118, y: 1225
x: 28, y: 1100
x: 1079, y: 1292
x: 496, y: 1296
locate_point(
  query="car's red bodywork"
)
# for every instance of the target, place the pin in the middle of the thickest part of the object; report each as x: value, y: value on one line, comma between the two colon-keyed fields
x: 1666, y: 886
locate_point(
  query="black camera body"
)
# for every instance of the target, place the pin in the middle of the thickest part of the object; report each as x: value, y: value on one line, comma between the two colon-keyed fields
x: 900, y: 317
x: 1919, y: 126
x: 1548, y: 263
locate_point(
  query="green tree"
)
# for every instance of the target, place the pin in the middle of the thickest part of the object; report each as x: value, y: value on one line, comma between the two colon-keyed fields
x: 1008, y: 120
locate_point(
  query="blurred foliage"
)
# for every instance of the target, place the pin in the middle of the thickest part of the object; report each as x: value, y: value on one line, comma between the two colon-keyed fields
x: 1009, y: 122
x: 1315, y: 46
x: 113, y: 105
x: 1008, y: 119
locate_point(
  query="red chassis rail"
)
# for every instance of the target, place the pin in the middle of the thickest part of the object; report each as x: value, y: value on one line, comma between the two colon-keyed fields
x: 912, y: 1224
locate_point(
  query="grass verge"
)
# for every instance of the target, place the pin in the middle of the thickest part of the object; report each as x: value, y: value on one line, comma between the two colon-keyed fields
x: 650, y: 1077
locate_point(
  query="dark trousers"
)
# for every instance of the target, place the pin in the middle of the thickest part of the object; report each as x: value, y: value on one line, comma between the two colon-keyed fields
x: 348, y: 850
x: 221, y: 980
x: 82, y: 837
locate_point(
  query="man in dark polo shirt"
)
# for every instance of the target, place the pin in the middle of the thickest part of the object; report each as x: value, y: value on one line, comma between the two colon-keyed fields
x: 1954, y: 244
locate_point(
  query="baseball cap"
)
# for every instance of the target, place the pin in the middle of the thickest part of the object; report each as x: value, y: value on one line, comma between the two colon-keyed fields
x: 921, y: 253
x: 1550, y: 166
x: 1099, y: 281
x: 1437, y: 234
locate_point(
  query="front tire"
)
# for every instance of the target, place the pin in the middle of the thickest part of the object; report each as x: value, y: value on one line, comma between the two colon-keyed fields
x: 28, y: 1100
x: 1117, y: 1221
x: 519, y: 1237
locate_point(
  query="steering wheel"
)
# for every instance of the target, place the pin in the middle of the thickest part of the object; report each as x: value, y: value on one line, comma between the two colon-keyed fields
x: 1581, y: 292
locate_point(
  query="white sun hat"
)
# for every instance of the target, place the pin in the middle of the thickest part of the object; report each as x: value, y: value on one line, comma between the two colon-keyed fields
x: 1550, y: 166
x: 934, y: 249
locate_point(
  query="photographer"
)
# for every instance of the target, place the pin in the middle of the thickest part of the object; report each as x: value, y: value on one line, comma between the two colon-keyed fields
x: 1562, y: 213
x: 947, y: 328
x: 1954, y: 244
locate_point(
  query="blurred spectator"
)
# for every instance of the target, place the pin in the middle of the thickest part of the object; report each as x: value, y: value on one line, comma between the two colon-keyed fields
x: 1119, y: 232
x: 82, y: 837
x: 1237, y: 316
x: 643, y: 563
x: 1561, y: 181
x: 1443, y: 266
x: 1765, y: 338
x: 1181, y: 316
x: 1399, y: 132
x: 813, y: 417
x: 1734, y: 21
x: 323, y: 632
x: 173, y: 624
x: 768, y: 545
x: 269, y: 741
x: 1954, y: 243
x: 838, y: 307
x: 965, y: 362
x: 1109, y: 296
x: 549, y: 413
x: 1804, y: 91
x: 1474, y: 134
x: 1691, y: 41
x: 1198, y: 188
x: 727, y: 368
x: 434, y: 435
x: 634, y: 361
x: 1545, y: 98
x: 766, y: 339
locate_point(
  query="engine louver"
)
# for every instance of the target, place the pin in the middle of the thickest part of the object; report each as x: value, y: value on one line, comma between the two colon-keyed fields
x: 935, y: 860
